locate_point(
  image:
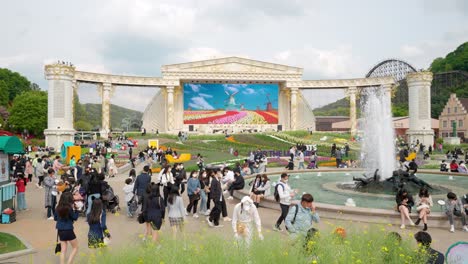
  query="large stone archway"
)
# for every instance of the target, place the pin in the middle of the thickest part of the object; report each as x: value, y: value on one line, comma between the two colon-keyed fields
x: 166, y: 109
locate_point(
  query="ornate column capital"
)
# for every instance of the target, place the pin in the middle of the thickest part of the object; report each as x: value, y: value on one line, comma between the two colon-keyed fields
x: 170, y: 89
x: 59, y: 71
x: 422, y: 76
x: 294, y: 90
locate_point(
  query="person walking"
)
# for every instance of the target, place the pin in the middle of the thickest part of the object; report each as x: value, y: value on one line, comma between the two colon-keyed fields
x: 166, y: 180
x: 301, y: 216
x: 141, y: 183
x: 300, y: 158
x: 153, y: 212
x: 283, y: 195
x: 21, y: 183
x: 176, y: 211
x: 338, y: 157
x: 40, y: 172
x: 50, y: 192
x: 65, y: 215
x: 216, y: 194
x: 243, y: 216
x: 193, y: 192
x: 204, y: 181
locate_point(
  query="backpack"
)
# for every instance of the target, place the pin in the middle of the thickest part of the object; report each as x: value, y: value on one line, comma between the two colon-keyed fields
x: 276, y: 193
x: 295, y: 214
x: 46, y: 165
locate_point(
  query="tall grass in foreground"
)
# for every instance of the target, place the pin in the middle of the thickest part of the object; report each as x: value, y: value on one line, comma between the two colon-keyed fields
x: 357, y: 246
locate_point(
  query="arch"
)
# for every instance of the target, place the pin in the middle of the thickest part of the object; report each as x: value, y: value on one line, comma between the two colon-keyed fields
x: 391, y: 67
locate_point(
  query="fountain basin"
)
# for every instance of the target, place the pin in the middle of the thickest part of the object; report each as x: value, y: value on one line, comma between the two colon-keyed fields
x: 370, y: 207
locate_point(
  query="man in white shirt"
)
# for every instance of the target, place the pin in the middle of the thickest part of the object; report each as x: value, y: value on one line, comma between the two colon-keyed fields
x: 285, y: 194
x: 300, y: 158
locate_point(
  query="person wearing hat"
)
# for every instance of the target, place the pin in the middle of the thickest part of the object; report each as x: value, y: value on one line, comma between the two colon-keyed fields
x: 243, y: 216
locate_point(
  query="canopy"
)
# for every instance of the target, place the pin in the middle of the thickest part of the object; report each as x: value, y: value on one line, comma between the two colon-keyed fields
x: 11, y: 145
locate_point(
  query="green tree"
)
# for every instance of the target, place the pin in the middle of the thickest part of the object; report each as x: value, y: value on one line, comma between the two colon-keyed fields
x: 82, y: 125
x: 456, y: 60
x: 15, y: 82
x: 29, y: 111
x: 4, y: 99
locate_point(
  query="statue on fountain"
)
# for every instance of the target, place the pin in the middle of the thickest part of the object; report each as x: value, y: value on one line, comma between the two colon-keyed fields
x: 399, y: 178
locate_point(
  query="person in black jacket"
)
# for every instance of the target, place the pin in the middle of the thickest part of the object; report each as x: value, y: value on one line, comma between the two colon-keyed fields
x: 425, y: 240
x: 141, y: 183
x: 238, y: 184
x: 153, y: 211
x: 404, y: 202
x: 216, y: 194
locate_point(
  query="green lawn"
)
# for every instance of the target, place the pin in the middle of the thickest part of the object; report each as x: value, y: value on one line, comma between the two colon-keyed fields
x: 9, y: 243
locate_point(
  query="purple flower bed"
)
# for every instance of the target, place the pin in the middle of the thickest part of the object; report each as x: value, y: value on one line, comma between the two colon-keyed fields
x: 230, y: 119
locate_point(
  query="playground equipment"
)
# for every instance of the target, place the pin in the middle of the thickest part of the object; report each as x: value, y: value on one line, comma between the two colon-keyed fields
x: 153, y: 143
x: 184, y: 157
x: 68, y: 150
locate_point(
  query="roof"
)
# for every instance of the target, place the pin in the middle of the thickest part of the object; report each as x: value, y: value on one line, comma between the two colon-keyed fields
x: 11, y: 145
x: 464, y: 102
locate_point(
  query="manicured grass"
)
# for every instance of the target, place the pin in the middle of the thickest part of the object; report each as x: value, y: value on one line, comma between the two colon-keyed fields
x: 9, y: 243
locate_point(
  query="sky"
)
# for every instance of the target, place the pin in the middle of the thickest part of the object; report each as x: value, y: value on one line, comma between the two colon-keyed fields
x: 329, y: 39
x: 217, y: 96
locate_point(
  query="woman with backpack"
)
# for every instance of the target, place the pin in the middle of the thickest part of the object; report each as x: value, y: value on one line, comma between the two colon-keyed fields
x: 153, y: 212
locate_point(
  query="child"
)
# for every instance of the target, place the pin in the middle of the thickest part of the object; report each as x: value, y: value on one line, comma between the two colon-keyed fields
x: 129, y: 196
x: 96, y: 228
x: 21, y: 187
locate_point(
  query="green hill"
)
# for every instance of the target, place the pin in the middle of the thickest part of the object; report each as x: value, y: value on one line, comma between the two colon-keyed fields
x: 117, y: 115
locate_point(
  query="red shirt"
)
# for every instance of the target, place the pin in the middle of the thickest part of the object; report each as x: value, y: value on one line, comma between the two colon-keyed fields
x: 20, y: 184
x: 453, y: 166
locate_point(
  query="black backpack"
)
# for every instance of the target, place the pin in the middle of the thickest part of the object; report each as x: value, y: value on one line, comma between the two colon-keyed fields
x: 276, y: 194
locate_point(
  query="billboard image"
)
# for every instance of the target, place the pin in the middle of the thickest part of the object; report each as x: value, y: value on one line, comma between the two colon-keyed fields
x: 213, y: 103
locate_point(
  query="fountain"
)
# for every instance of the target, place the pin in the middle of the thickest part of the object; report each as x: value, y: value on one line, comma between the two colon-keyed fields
x: 378, y: 146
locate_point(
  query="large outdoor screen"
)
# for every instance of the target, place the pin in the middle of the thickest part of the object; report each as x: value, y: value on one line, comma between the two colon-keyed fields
x: 213, y: 103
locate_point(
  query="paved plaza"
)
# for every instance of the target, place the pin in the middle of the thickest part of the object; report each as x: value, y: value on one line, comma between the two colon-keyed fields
x: 33, y: 227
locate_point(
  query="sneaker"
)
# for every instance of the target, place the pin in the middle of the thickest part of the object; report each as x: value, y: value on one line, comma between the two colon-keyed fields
x: 402, y: 226
x: 411, y: 223
x: 277, y: 228
x: 230, y: 198
x: 452, y: 229
x: 227, y: 219
x: 209, y: 222
x: 50, y: 218
x: 218, y: 225
x: 465, y: 228
x: 186, y: 213
x: 208, y: 212
x: 226, y: 192
x: 40, y: 187
x: 37, y: 185
x: 195, y: 216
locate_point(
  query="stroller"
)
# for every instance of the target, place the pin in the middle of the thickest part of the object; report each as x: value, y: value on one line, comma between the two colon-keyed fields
x: 111, y: 200
x: 79, y: 199
x: 132, y: 206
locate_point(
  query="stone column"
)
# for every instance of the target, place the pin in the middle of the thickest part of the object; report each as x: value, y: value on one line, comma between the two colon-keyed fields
x: 419, y: 102
x: 170, y: 108
x: 106, y: 89
x: 60, y: 104
x: 294, y: 91
x: 178, y: 108
x: 352, y: 109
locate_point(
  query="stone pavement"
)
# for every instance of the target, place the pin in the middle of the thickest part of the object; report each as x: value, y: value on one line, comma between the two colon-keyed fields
x: 33, y: 226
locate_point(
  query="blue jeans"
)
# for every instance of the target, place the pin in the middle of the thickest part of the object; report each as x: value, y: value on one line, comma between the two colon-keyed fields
x: 203, y: 201
x: 301, y: 165
x: 51, y: 209
x: 21, y: 200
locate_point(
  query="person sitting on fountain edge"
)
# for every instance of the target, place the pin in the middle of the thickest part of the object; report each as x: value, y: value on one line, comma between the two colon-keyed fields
x: 404, y: 202
x: 443, y: 166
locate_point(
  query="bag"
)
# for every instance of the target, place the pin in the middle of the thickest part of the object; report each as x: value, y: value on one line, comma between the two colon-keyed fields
x: 196, y: 197
x: 107, y: 241
x: 276, y: 193
x: 58, y: 246
x: 141, y: 218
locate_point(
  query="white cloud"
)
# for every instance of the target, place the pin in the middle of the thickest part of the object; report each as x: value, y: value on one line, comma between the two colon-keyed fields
x: 230, y: 88
x: 200, y: 103
x: 205, y: 95
x: 248, y: 91
x: 201, y: 53
x: 195, y: 87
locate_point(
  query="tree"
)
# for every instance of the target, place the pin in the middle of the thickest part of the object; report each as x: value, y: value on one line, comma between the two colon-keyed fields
x: 29, y: 111
x: 15, y: 82
x: 82, y: 125
x: 35, y: 87
x: 4, y: 98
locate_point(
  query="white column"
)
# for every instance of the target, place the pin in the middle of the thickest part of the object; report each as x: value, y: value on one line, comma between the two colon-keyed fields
x: 178, y: 108
x: 419, y: 102
x: 352, y: 109
x: 294, y: 91
x: 105, y: 96
x: 60, y: 104
x: 170, y: 108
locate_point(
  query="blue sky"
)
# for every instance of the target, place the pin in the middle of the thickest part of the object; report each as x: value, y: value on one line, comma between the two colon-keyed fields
x: 328, y: 38
x: 209, y: 96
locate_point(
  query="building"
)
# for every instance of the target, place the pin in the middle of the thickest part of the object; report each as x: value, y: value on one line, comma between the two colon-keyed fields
x: 325, y: 123
x: 401, y: 125
x: 454, y: 115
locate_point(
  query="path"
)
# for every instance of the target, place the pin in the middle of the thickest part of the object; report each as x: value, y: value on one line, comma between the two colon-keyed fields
x: 40, y: 233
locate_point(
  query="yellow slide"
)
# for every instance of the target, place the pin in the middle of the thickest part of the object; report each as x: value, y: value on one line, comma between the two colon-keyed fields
x: 184, y: 157
x: 411, y: 156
